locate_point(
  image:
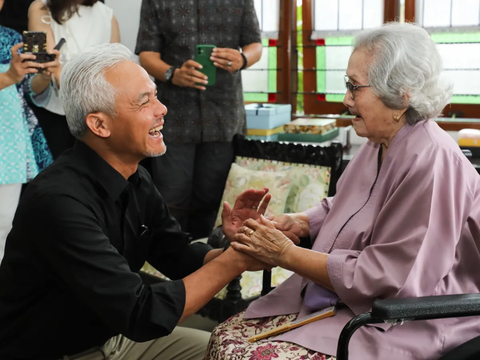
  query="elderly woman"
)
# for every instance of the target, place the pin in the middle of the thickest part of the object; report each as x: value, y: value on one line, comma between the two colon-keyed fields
x: 404, y: 221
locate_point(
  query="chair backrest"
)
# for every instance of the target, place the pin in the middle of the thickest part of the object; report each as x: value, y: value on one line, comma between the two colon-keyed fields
x: 330, y: 156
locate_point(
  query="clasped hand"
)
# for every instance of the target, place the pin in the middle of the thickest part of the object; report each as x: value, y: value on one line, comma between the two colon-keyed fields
x: 227, y: 59
x: 261, y: 240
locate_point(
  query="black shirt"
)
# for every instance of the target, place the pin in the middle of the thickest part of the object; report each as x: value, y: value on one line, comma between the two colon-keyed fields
x: 69, y: 281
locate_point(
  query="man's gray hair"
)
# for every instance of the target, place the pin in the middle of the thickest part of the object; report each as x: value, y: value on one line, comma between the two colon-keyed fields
x: 83, y: 87
x: 405, y: 62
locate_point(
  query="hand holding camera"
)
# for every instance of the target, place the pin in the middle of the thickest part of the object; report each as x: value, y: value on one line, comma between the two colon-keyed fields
x: 22, y: 64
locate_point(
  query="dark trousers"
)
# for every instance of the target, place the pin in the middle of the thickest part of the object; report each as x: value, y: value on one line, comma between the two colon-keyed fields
x: 191, y: 179
x: 55, y: 129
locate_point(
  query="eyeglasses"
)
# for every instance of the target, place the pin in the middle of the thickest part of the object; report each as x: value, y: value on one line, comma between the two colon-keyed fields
x: 353, y: 88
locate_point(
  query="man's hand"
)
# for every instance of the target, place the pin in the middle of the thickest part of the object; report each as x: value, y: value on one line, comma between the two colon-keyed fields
x: 189, y: 76
x: 18, y: 69
x: 249, y: 205
x: 248, y: 262
x: 227, y: 59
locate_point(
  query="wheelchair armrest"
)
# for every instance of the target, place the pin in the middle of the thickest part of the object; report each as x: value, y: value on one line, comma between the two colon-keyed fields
x: 428, y: 307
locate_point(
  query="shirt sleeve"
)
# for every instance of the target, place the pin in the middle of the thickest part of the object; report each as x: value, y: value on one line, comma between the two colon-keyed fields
x: 171, y: 252
x: 40, y: 99
x: 412, y: 246
x: 316, y: 216
x: 71, y: 239
x: 250, y: 31
x: 149, y: 36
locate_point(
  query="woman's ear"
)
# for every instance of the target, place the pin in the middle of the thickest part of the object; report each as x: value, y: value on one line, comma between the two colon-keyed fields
x: 98, y: 123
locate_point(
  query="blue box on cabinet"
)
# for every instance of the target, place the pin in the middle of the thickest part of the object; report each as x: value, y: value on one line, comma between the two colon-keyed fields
x: 267, y: 116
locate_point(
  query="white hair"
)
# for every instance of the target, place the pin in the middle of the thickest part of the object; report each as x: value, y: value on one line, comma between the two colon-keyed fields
x: 405, y: 62
x: 83, y: 87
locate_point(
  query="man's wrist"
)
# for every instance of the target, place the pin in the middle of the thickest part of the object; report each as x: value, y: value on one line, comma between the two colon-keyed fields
x: 169, y: 75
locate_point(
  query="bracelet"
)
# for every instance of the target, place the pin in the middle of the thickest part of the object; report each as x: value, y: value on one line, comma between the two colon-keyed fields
x: 245, y: 61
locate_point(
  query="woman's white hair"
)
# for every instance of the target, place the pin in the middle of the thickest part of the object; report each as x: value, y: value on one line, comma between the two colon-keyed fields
x: 405, y: 62
x: 83, y: 87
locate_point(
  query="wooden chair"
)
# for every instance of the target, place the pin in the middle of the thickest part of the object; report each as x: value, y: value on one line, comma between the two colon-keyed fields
x: 330, y: 156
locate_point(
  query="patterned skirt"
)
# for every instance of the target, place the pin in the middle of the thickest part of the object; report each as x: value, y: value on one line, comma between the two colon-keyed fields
x: 229, y: 341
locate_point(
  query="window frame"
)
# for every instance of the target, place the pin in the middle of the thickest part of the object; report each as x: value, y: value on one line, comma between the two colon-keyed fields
x: 471, y: 111
x: 283, y: 95
x: 313, y: 106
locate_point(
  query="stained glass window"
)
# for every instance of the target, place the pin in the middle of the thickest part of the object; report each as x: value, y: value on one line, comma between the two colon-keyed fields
x: 455, y: 26
x: 334, y: 17
x: 260, y: 80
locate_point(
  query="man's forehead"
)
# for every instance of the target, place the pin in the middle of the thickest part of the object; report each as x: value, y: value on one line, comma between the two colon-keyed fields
x: 130, y: 79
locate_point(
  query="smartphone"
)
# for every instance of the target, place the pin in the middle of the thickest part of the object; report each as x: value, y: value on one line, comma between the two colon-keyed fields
x: 202, y: 56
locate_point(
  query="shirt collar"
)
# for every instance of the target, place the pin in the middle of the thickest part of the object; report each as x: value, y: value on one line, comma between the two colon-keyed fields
x: 110, y: 179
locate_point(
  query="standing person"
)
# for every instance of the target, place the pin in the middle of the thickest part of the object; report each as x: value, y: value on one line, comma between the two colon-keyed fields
x: 202, y: 119
x: 86, y: 225
x: 82, y: 23
x: 23, y: 150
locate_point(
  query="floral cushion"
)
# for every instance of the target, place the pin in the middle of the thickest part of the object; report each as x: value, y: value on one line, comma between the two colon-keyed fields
x: 229, y: 340
x: 240, y: 179
x: 309, y: 182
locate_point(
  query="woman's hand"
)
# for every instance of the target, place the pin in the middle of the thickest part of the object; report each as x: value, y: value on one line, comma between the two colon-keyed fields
x: 249, y: 205
x: 18, y: 69
x: 262, y: 241
x: 53, y: 67
x: 293, y: 226
x: 227, y: 59
x: 189, y: 76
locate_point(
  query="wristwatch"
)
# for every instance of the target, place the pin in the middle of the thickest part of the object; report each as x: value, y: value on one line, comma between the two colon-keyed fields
x: 169, y: 74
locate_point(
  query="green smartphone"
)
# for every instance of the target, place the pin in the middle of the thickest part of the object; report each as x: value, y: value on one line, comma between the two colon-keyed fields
x: 202, y: 56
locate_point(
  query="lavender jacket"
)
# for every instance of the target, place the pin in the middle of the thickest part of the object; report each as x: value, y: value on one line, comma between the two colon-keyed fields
x: 412, y: 230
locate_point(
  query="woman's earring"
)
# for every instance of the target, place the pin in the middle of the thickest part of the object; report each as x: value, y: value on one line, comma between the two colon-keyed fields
x: 396, y: 117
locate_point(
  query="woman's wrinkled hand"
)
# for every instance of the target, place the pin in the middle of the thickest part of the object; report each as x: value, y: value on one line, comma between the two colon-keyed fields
x: 21, y: 64
x: 291, y: 226
x: 262, y: 241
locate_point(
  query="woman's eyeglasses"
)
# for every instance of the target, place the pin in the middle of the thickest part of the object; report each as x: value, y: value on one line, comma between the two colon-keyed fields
x: 353, y: 88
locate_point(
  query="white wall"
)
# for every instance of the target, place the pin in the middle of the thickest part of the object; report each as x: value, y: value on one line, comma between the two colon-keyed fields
x: 127, y: 13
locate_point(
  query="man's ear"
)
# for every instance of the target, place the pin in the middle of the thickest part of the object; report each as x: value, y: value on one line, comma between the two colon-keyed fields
x: 99, y: 124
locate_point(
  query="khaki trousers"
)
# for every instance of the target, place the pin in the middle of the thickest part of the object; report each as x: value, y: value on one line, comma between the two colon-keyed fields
x: 181, y: 344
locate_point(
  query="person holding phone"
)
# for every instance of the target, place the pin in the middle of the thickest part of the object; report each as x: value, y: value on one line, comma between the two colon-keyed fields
x: 203, y: 117
x: 23, y: 150
x: 82, y: 24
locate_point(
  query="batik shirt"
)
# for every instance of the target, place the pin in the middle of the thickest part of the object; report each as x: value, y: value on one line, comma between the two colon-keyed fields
x: 23, y: 149
x: 173, y: 28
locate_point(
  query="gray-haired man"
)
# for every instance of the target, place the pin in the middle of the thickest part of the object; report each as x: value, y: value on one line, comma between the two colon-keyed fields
x: 85, y: 226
